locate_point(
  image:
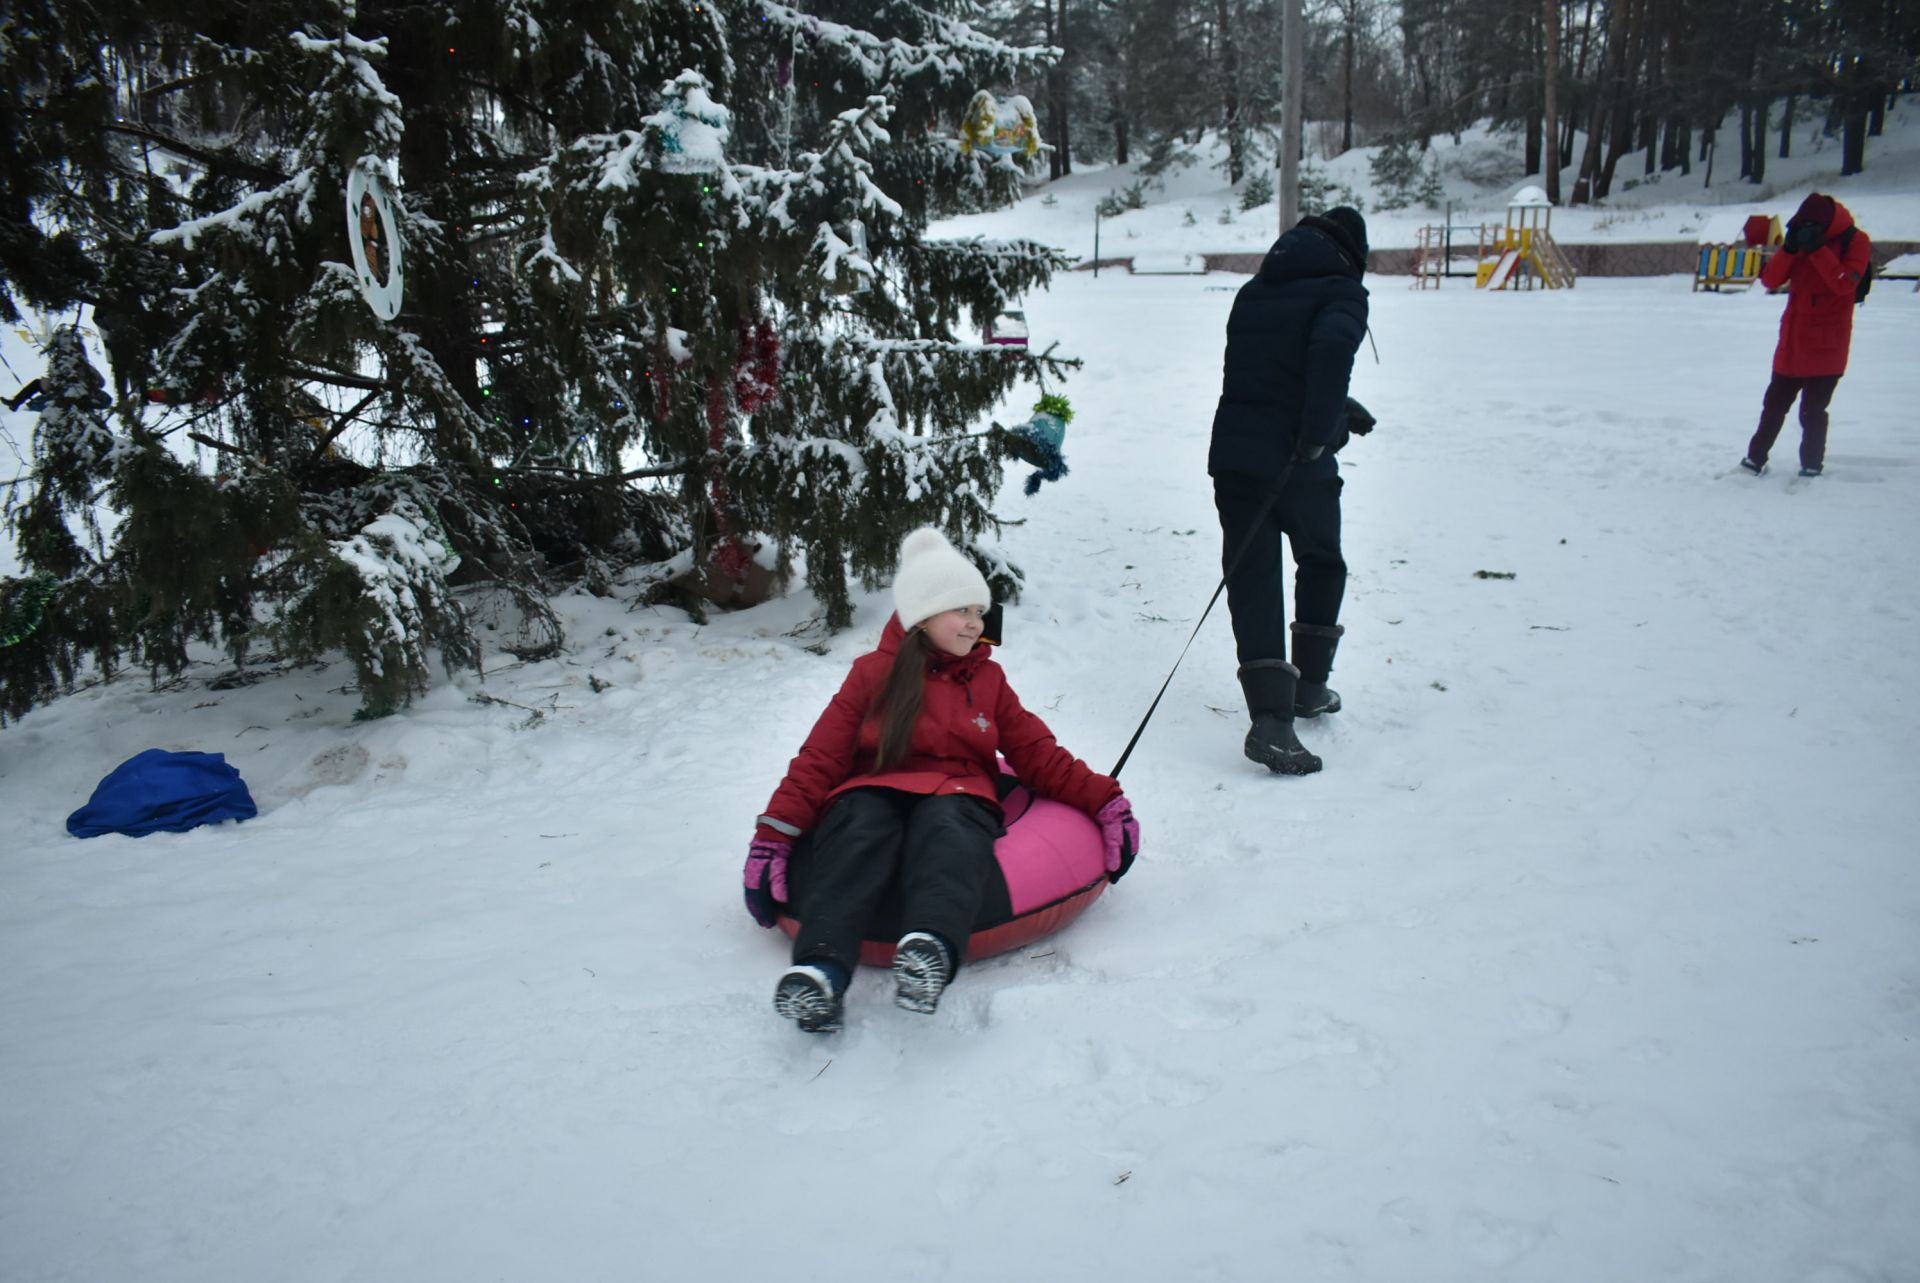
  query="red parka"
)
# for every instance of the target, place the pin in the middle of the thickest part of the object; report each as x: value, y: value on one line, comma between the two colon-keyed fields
x: 967, y: 715
x: 1816, y: 332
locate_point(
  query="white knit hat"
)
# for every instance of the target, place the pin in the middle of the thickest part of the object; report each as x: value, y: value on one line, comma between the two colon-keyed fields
x: 934, y: 576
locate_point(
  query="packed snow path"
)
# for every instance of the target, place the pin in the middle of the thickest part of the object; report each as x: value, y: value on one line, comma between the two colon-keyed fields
x: 1591, y: 956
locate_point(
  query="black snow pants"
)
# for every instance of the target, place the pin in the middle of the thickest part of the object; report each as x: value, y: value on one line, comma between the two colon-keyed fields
x: 1814, y: 394
x: 891, y: 862
x: 1308, y: 515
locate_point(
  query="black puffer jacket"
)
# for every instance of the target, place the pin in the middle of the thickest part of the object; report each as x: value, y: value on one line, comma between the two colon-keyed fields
x: 1291, y: 340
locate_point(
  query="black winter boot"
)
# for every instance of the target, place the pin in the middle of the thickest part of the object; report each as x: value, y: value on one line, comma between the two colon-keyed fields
x: 811, y: 996
x: 922, y: 969
x: 1270, y: 686
x: 1313, y: 647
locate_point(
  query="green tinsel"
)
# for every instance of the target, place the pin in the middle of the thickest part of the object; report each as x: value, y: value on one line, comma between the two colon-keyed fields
x: 26, y: 603
x: 1055, y: 404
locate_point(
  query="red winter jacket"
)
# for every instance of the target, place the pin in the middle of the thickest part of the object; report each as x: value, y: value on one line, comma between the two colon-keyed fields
x: 967, y: 715
x: 1817, y: 330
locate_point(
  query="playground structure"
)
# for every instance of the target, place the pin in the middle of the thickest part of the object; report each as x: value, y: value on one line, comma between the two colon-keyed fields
x: 1448, y: 249
x: 1518, y: 255
x: 1739, y: 263
x: 1524, y: 254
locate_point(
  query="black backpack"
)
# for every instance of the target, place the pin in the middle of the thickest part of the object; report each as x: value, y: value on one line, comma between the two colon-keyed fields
x: 1863, y: 286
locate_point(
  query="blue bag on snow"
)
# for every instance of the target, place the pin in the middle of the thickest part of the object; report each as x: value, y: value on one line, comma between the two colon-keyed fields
x: 157, y: 790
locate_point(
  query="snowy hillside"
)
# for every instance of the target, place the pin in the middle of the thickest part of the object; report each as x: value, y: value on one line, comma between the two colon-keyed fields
x: 1192, y: 209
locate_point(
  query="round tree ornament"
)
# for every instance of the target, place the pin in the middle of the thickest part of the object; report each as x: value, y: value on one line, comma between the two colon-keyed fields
x: 373, y: 237
x: 1000, y: 128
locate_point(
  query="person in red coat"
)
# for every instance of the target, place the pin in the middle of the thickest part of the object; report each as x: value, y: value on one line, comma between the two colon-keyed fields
x: 1821, y: 263
x: 897, y: 786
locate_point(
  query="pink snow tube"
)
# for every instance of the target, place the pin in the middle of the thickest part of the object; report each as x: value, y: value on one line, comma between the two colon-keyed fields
x: 1054, y: 865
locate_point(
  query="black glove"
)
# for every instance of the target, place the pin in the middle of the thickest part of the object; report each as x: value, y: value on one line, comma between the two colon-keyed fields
x: 1359, y: 422
x: 1803, y: 238
x: 1304, y: 453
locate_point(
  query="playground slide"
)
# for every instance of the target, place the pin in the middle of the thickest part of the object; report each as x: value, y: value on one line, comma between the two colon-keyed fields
x: 1503, y: 269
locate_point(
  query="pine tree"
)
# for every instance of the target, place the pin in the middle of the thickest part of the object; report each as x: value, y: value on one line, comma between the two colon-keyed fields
x: 668, y: 295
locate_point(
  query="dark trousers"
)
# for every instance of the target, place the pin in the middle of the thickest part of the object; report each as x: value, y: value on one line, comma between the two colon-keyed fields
x: 878, y: 847
x: 1814, y: 394
x: 1307, y: 513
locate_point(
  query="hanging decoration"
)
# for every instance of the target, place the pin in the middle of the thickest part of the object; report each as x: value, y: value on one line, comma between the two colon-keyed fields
x: 693, y: 128
x: 1000, y: 128
x: 756, y: 370
x: 1038, y: 441
x: 1009, y: 329
x: 730, y: 557
x: 33, y: 398
x: 661, y: 376
x: 373, y: 238
x: 25, y: 605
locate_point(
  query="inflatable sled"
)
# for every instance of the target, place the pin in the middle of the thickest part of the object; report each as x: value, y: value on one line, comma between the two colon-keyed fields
x: 1051, y: 861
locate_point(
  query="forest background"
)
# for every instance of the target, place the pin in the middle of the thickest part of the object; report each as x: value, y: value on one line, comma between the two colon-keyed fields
x: 681, y: 318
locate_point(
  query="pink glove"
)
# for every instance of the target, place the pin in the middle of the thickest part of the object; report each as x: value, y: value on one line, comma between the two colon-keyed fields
x: 1121, y: 834
x: 766, y: 878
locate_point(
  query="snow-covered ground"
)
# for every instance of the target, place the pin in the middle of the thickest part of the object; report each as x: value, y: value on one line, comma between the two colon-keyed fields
x: 1191, y: 209
x: 1593, y: 955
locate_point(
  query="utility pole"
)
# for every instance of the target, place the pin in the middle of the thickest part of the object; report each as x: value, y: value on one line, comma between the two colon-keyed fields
x: 1292, y: 64
x: 1550, y: 108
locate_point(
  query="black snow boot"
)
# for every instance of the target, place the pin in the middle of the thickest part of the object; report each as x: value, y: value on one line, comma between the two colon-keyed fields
x: 810, y: 996
x: 1270, y: 686
x: 1313, y: 647
x: 922, y: 969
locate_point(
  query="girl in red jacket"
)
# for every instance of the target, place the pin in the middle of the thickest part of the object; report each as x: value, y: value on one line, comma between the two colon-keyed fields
x: 897, y: 786
x: 1821, y: 263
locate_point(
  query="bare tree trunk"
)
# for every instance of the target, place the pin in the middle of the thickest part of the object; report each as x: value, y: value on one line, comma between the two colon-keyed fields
x: 1620, y: 134
x: 1853, y: 140
x: 1759, y: 174
x: 1063, y: 144
x: 1352, y: 16
x: 1425, y: 76
x: 1650, y: 122
x: 1060, y: 158
x: 1752, y: 132
x: 1229, y: 93
x: 1786, y: 129
x: 1550, y: 96
x: 1293, y: 67
x: 1597, y: 116
x: 1579, y: 75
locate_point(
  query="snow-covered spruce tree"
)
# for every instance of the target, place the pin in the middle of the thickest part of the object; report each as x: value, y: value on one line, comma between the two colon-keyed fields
x: 667, y: 291
x: 884, y: 371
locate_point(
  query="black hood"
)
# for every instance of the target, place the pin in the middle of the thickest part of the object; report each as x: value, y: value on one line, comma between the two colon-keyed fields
x: 1308, y: 251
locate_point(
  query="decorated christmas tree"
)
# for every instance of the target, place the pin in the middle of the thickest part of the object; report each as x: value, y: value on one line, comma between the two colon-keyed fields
x: 406, y: 308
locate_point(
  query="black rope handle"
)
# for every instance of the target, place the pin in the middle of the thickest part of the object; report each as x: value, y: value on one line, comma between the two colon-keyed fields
x: 1286, y: 475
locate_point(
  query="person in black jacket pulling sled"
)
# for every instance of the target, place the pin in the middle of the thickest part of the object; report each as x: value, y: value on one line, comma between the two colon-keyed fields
x: 1283, y: 413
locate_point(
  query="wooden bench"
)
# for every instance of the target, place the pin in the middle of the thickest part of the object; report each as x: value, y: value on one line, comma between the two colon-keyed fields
x: 1720, y: 265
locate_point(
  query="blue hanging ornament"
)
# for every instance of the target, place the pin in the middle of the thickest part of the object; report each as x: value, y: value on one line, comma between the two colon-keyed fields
x: 1039, y: 440
x: 693, y: 129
